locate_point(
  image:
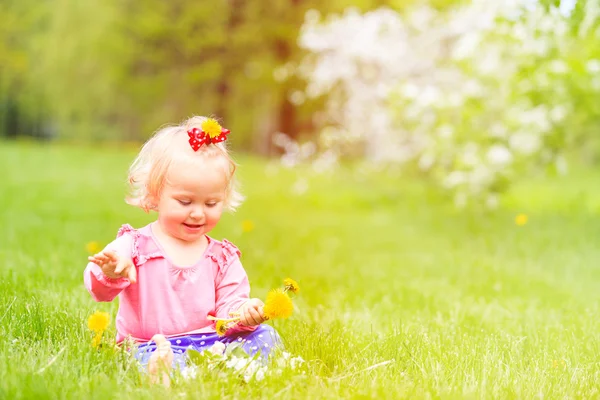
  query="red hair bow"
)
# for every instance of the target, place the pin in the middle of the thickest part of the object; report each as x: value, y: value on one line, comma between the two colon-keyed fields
x: 211, y: 132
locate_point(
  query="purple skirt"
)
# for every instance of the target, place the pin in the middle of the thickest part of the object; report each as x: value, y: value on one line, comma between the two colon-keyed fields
x: 261, y: 340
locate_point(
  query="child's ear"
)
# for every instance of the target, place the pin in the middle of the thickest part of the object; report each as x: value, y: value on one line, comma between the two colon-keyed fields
x: 150, y: 202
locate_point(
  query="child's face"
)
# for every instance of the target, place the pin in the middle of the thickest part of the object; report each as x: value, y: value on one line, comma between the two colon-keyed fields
x: 191, y: 202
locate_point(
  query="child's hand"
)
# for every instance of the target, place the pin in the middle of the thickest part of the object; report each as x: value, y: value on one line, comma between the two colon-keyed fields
x: 114, y: 266
x: 251, y: 313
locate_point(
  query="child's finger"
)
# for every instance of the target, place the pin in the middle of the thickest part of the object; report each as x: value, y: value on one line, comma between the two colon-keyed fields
x: 132, y: 274
x: 258, y: 303
x: 244, y: 318
x: 99, y: 263
x: 121, y: 267
x: 258, y: 318
x: 252, y: 316
x: 102, y: 257
x: 121, y: 270
x: 112, y: 256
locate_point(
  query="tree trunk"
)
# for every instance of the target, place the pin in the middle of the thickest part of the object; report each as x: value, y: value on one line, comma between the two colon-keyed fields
x: 223, y: 86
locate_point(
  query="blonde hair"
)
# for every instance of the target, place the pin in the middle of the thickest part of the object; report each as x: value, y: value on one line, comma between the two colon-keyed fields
x: 148, y: 171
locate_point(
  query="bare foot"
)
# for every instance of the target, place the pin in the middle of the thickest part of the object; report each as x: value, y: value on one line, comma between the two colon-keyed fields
x: 161, y: 361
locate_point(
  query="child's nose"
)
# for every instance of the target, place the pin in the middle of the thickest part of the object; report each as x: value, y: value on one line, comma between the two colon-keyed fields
x: 197, y: 213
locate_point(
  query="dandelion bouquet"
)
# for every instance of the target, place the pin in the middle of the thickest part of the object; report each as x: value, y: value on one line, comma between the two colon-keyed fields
x: 278, y: 304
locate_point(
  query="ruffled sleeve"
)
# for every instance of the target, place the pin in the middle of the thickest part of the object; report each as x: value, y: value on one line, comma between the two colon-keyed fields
x: 100, y: 286
x: 142, y: 248
x: 232, y: 288
x: 129, y: 230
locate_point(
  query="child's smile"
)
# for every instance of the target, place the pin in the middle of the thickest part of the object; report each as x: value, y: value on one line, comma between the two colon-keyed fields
x: 193, y: 228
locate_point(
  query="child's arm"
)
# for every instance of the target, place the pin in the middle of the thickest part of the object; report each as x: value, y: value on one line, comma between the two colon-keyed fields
x: 232, y: 294
x: 111, y: 270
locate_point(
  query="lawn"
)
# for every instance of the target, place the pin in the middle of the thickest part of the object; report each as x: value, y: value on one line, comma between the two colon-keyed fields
x: 402, y: 296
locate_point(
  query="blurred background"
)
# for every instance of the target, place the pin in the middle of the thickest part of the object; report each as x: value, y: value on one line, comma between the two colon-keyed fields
x: 468, y: 94
x: 425, y: 169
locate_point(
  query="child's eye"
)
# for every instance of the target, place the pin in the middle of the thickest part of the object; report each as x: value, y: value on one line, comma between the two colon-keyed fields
x: 184, y: 202
x: 212, y: 204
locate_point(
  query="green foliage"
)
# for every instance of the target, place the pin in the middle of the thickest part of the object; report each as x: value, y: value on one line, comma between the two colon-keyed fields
x: 22, y: 25
x: 119, y: 70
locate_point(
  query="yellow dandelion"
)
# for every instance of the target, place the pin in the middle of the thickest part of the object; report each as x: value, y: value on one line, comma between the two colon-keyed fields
x: 221, y: 328
x: 278, y: 305
x: 247, y: 226
x: 521, y: 219
x: 99, y: 321
x: 93, y: 247
x: 211, y: 128
x: 291, y: 285
x: 97, y: 340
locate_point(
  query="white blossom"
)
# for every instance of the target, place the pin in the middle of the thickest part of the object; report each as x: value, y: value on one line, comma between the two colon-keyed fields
x: 446, y: 90
x: 296, y: 361
x: 525, y: 142
x: 499, y: 155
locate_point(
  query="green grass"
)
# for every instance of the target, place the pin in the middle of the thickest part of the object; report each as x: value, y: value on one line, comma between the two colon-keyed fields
x: 441, y: 303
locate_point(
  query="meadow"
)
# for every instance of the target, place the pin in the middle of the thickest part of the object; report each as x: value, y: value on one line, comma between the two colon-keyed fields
x: 402, y: 295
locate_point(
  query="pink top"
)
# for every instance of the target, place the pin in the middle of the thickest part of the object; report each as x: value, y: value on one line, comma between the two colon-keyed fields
x: 169, y: 299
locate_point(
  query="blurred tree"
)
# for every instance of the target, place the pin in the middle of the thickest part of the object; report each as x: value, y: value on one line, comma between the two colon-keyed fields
x: 119, y: 69
x: 280, y: 23
x: 21, y: 99
x: 173, y: 61
x: 77, y: 68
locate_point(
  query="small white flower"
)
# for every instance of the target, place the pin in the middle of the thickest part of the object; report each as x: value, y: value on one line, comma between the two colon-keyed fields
x: 232, y: 362
x: 492, y: 202
x: 296, y: 361
x: 250, y: 370
x: 445, y: 131
x: 240, y: 364
x: 499, y: 155
x: 426, y: 161
x: 455, y: 178
x: 280, y: 363
x: 558, y: 113
x: 559, y: 67
x: 410, y: 90
x: 217, y: 348
x: 524, y: 142
x: 260, y: 374
x: 593, y: 66
x: 189, y: 372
